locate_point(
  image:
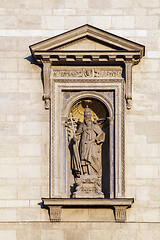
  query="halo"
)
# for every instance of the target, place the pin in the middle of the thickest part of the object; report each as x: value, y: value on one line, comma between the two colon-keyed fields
x: 98, y: 110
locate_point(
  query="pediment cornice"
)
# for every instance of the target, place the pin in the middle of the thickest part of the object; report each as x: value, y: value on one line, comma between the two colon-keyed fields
x: 102, y: 45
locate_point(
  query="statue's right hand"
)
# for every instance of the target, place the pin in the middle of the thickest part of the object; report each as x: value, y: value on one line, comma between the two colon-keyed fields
x: 75, y: 138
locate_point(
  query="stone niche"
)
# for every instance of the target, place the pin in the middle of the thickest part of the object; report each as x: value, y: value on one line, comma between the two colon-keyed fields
x: 87, y: 76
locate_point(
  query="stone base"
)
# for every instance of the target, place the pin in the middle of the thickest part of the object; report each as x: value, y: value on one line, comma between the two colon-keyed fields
x: 88, y: 186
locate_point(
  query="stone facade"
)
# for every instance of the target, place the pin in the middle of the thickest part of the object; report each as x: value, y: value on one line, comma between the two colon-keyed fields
x: 24, y: 131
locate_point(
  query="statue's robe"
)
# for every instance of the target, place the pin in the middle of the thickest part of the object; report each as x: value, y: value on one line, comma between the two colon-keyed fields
x: 90, y: 148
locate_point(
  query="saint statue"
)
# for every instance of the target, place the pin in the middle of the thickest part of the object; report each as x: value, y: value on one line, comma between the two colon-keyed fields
x: 88, y: 140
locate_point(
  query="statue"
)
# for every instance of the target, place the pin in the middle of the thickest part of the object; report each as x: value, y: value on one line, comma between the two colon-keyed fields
x: 86, y: 162
x: 91, y: 138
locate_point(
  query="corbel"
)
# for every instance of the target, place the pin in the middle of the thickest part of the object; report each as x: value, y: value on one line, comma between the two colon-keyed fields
x: 55, y: 213
x: 46, y: 76
x: 128, y: 77
x: 120, y: 213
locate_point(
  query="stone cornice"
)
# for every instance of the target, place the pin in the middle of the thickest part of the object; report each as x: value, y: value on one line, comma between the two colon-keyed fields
x: 87, y: 56
x: 86, y: 202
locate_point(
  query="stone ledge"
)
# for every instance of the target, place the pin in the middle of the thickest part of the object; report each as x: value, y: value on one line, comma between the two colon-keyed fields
x: 119, y: 205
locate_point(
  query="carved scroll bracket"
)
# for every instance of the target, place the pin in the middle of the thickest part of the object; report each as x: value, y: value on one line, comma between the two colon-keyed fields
x: 46, y: 76
x: 128, y: 76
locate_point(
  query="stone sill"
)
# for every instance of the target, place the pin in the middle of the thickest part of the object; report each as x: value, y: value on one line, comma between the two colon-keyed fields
x: 119, y: 206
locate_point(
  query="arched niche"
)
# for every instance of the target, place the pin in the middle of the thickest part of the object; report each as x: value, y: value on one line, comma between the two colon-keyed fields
x: 88, y: 94
x: 102, y: 110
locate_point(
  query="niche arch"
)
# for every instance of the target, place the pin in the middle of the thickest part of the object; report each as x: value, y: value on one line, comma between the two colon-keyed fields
x: 88, y: 94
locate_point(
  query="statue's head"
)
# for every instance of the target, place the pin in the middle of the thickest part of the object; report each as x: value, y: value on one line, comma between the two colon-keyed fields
x: 87, y: 113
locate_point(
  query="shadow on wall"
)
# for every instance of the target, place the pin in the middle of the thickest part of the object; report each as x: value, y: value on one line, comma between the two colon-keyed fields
x: 42, y: 205
x: 32, y: 60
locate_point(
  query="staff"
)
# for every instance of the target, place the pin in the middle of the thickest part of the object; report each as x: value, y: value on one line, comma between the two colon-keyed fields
x: 74, y: 134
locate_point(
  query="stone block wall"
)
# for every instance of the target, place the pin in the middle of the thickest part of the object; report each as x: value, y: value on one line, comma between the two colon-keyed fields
x: 24, y: 123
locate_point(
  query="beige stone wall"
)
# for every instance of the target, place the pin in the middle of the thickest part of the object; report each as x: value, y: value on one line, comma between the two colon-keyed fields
x: 24, y: 123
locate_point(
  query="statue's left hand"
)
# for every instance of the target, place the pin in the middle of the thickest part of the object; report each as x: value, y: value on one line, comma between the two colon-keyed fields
x: 75, y: 138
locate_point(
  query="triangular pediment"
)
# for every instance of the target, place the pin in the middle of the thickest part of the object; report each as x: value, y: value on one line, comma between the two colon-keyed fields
x: 85, y: 44
x: 86, y: 38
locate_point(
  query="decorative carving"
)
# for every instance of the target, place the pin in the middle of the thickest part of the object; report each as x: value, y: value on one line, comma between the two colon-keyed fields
x: 85, y: 73
x: 120, y: 213
x: 52, y: 190
x: 82, y: 80
x: 88, y: 186
x: 129, y: 103
x: 47, y: 103
x: 88, y: 72
x: 122, y: 140
x: 107, y: 73
x: 46, y: 77
x: 67, y: 73
x: 55, y: 213
x: 128, y: 76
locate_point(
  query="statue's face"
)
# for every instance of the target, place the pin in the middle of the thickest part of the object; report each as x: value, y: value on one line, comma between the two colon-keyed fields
x: 87, y: 116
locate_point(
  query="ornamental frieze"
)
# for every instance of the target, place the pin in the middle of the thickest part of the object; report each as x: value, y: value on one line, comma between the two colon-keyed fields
x: 86, y: 73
